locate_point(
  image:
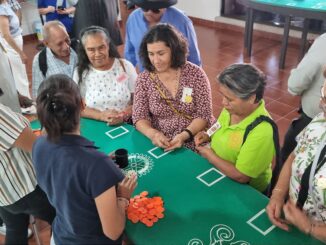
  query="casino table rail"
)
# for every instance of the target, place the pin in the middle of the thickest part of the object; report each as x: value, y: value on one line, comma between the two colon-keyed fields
x: 202, y: 206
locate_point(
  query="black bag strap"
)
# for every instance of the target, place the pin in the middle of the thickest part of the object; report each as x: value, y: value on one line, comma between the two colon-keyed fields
x: 42, y: 62
x: 303, y: 193
x: 278, y: 164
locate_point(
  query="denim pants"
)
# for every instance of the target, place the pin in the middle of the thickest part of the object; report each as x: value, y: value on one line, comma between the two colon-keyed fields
x: 16, y: 215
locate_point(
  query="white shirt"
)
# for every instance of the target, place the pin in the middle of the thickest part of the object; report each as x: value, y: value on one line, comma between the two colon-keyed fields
x: 110, y: 89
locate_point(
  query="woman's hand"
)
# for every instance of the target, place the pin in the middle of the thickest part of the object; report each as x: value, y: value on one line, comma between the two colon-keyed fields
x: 296, y: 217
x: 274, y: 211
x: 201, y: 138
x: 127, y: 186
x: 177, y: 141
x: 160, y: 140
x: 69, y: 10
x: 205, y: 152
x: 111, y: 117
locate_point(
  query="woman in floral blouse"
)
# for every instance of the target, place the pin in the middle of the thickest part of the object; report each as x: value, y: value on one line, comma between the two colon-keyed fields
x: 303, y: 181
x: 173, y: 97
x: 106, y: 82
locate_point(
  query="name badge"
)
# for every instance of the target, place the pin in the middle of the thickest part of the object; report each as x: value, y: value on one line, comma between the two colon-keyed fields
x: 186, y: 95
x: 216, y: 126
x: 122, y: 77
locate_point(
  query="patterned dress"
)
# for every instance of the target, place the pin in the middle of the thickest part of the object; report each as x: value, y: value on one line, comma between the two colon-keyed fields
x: 309, y: 141
x: 150, y: 105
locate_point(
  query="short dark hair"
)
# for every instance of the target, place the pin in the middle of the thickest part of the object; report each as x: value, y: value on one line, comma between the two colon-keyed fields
x: 83, y: 61
x: 58, y: 106
x: 244, y: 80
x: 172, y: 38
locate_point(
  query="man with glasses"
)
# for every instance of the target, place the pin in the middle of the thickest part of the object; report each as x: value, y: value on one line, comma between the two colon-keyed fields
x: 305, y: 81
x: 150, y: 13
x: 56, y: 58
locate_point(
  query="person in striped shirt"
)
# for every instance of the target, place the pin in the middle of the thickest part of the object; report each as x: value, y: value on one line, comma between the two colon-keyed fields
x: 20, y: 195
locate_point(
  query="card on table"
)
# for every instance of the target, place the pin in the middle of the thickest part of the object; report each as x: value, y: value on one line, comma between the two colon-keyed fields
x: 261, y: 223
x: 210, y: 177
x: 117, y: 132
x: 158, y: 152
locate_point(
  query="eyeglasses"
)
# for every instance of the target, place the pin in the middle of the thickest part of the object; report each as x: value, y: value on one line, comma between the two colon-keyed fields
x: 155, y: 11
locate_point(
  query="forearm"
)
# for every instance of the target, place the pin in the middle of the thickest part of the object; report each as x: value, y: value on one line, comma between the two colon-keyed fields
x: 282, y: 186
x: 228, y: 169
x: 12, y: 43
x: 145, y: 127
x: 197, y: 125
x: 92, y: 113
x: 44, y: 11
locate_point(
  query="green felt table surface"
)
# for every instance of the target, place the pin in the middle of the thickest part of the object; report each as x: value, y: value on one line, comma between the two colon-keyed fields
x: 310, y: 5
x: 195, y: 213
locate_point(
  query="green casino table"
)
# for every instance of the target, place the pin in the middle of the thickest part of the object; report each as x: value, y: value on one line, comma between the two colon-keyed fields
x: 308, y: 9
x: 202, y: 206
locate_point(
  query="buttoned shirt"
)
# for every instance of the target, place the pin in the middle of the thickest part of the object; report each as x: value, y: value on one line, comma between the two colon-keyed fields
x: 137, y: 26
x: 55, y: 66
x: 16, y: 169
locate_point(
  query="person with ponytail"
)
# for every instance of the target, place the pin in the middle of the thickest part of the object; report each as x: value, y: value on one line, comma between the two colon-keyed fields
x: 79, y: 181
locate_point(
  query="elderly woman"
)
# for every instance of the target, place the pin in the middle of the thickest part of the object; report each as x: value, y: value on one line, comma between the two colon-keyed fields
x: 242, y: 89
x: 107, y: 82
x: 300, y: 190
x: 11, y: 38
x: 173, y: 97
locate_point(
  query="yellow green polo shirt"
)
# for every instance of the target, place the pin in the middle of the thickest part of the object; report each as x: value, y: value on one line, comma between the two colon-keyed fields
x: 254, y: 157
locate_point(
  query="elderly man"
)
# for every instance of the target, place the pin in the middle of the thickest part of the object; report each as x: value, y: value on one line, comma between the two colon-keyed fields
x: 150, y: 13
x: 56, y: 58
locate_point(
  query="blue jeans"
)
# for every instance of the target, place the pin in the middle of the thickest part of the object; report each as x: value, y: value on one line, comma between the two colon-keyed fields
x: 16, y: 215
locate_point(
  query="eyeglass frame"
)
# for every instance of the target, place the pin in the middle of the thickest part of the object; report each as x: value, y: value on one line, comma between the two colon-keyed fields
x: 155, y: 11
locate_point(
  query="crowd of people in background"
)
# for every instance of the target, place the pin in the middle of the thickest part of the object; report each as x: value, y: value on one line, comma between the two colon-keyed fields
x: 160, y: 87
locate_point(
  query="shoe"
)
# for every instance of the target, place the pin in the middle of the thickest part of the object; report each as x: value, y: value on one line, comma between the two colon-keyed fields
x: 3, y: 231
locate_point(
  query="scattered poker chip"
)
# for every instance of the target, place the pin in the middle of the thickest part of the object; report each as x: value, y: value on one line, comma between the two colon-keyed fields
x: 144, y: 209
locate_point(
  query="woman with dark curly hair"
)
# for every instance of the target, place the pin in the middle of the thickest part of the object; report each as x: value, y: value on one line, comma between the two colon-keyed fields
x: 172, y: 97
x: 106, y: 82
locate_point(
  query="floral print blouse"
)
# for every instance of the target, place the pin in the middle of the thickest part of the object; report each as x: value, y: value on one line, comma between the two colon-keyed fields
x: 309, y: 141
x: 193, y: 98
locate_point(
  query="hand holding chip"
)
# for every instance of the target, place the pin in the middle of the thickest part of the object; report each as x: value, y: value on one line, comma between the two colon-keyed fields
x: 127, y: 186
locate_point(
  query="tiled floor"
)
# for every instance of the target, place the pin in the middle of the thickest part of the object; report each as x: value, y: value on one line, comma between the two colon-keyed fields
x: 220, y: 48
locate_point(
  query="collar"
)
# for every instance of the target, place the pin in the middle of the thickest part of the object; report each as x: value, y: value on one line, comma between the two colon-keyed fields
x: 260, y: 110
x: 75, y: 140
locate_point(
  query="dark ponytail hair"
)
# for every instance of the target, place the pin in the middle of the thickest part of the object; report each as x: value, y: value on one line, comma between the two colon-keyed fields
x: 58, y: 106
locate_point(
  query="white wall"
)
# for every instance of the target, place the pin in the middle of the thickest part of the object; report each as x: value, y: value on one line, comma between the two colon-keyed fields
x: 203, y: 9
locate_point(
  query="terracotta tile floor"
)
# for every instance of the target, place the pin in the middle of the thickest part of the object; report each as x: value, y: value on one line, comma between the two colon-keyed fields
x: 220, y: 48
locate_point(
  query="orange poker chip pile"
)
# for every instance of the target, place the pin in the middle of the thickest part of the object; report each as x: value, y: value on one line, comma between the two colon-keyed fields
x: 147, y: 210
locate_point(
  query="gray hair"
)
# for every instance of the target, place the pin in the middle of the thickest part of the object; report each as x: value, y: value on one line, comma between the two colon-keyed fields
x: 244, y: 80
x: 94, y: 30
x: 49, y: 25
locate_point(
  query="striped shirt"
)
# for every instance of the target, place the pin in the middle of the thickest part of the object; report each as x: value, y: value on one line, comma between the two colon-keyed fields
x: 17, y: 175
x: 14, y: 4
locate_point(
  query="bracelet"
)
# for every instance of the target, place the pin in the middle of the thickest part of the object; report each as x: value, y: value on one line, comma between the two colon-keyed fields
x: 191, y: 136
x: 125, y: 200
